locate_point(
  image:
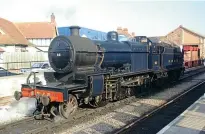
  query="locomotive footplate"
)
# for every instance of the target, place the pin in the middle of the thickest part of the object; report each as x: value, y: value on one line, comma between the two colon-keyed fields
x: 52, y: 99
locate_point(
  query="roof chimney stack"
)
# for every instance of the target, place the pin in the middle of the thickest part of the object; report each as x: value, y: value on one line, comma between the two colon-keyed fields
x: 133, y: 34
x: 53, y: 18
x: 125, y: 30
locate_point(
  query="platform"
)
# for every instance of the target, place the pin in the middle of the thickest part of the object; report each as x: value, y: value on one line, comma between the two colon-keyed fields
x: 191, y: 121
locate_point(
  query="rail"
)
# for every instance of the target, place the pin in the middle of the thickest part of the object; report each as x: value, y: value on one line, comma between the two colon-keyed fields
x: 151, y: 113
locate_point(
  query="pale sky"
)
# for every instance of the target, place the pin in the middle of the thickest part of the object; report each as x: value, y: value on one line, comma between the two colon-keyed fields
x: 150, y: 18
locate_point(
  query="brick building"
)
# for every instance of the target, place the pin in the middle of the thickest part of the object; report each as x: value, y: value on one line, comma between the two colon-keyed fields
x: 184, y: 37
x: 187, y: 37
x: 125, y: 32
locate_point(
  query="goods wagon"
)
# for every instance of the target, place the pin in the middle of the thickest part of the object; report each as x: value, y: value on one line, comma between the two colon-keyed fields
x: 192, y: 56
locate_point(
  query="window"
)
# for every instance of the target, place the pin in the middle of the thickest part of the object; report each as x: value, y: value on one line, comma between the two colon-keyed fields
x: 23, y: 49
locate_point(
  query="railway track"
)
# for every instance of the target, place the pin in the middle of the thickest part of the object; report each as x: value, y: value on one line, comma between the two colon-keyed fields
x: 154, y: 121
x: 29, y: 125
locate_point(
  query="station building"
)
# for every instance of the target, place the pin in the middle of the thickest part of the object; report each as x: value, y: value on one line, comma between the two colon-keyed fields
x: 187, y: 38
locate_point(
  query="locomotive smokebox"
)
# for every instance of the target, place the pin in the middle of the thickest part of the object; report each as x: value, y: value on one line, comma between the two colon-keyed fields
x: 69, y: 54
x: 74, y: 30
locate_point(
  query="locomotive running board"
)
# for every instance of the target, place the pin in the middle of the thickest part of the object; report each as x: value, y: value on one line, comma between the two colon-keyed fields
x: 131, y: 73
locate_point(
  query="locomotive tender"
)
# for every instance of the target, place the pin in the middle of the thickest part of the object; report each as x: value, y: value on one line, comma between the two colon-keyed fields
x: 95, y: 72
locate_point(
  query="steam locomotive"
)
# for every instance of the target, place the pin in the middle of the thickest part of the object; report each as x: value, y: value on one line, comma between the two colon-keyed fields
x: 97, y: 72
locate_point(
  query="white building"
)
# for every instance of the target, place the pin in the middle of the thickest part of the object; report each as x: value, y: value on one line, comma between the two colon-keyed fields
x: 39, y: 33
x: 11, y: 39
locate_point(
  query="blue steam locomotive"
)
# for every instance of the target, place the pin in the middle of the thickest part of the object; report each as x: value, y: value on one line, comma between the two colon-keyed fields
x: 96, y: 72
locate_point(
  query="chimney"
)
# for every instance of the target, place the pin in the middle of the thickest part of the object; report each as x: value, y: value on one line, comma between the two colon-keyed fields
x: 74, y: 30
x: 125, y: 30
x: 133, y: 34
x: 119, y: 30
x: 53, y: 18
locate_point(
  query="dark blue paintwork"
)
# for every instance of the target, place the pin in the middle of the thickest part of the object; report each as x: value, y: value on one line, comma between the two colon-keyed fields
x: 98, y: 84
x: 117, y: 54
x: 172, y: 58
x: 139, y: 57
x: 156, y: 62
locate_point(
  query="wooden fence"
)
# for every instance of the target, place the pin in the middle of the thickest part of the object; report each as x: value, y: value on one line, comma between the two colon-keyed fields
x: 17, y: 60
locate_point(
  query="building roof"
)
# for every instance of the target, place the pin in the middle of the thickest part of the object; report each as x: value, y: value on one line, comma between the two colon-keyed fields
x: 37, y: 29
x: 155, y: 39
x: 191, y: 31
x: 10, y: 35
x: 159, y: 39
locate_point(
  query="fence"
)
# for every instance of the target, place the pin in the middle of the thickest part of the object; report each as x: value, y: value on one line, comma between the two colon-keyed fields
x: 18, y: 60
x: 19, y: 65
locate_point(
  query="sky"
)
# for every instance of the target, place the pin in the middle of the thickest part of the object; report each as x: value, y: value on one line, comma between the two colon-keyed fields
x: 149, y: 18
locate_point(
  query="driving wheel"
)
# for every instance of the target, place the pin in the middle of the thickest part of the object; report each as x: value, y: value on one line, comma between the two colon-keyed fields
x: 68, y: 108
